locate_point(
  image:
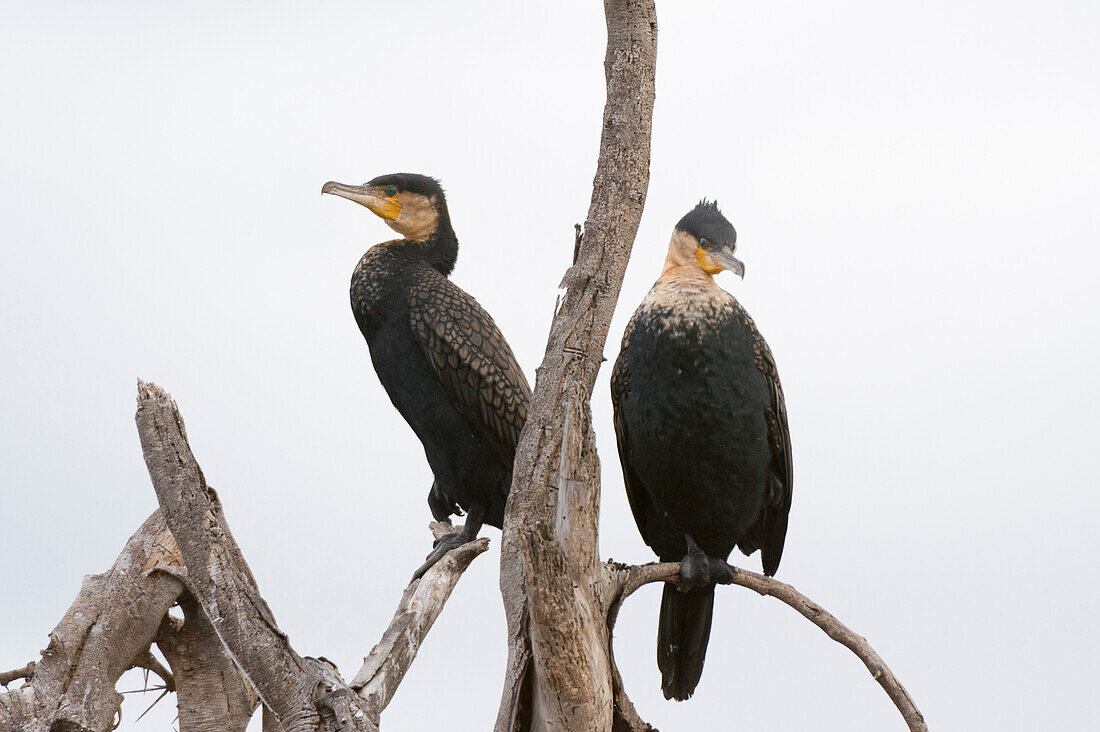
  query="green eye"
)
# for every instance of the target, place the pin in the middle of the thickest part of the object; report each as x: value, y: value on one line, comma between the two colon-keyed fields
x: 704, y: 243
x: 391, y: 191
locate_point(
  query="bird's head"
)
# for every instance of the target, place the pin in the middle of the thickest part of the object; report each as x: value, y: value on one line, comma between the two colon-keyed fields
x: 706, y: 239
x: 411, y: 204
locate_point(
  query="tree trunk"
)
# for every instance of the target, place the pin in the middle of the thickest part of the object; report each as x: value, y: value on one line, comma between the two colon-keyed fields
x: 559, y: 669
x: 211, y: 693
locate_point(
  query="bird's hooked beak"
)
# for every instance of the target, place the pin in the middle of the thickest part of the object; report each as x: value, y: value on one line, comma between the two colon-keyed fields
x: 369, y: 196
x: 716, y: 260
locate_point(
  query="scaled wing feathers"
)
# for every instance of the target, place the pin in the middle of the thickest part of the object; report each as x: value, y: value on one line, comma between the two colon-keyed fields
x: 474, y: 363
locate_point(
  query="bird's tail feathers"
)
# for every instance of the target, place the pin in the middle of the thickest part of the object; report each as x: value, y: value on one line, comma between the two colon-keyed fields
x: 682, y: 635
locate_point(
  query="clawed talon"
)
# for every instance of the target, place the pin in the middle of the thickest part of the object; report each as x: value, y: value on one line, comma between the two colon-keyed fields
x: 720, y: 572
x: 694, y: 571
x: 454, y: 538
x: 442, y: 545
x: 697, y: 570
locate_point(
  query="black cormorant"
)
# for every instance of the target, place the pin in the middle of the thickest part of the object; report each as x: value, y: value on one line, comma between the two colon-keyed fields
x: 440, y: 357
x: 702, y: 435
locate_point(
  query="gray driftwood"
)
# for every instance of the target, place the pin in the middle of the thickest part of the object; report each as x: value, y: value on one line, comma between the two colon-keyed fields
x: 298, y: 693
x: 107, y: 630
x: 304, y: 693
x: 423, y: 600
x: 219, y: 666
x: 212, y: 695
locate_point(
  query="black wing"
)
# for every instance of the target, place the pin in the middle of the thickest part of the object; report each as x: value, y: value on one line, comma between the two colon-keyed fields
x: 773, y: 524
x: 472, y: 360
x: 640, y: 503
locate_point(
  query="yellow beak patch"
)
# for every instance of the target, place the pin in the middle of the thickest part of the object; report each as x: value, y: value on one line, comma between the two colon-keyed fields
x: 707, y: 263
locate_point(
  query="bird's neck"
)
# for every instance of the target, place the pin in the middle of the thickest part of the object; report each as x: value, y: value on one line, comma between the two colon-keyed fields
x: 440, y: 247
x: 681, y: 262
x: 676, y: 271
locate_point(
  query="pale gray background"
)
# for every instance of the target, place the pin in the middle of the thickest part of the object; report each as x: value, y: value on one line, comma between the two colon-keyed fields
x: 915, y: 186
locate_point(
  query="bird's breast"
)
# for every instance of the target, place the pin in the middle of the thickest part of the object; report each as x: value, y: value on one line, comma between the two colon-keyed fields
x: 684, y: 308
x: 377, y: 286
x: 693, y: 340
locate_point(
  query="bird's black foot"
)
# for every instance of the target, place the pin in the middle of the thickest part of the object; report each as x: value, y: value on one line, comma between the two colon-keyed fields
x: 698, y: 570
x: 694, y: 571
x: 720, y: 572
x: 442, y: 545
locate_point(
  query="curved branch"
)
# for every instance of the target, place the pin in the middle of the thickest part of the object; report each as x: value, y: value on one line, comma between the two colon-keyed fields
x: 630, y: 578
x: 146, y: 660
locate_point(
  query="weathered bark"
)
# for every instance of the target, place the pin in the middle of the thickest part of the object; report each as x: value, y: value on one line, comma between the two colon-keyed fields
x: 228, y: 626
x: 6, y: 677
x: 558, y: 674
x: 304, y: 693
x: 211, y: 693
x: 107, y: 630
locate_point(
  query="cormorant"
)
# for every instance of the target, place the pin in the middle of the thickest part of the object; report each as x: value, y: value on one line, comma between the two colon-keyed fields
x: 702, y: 435
x: 440, y: 357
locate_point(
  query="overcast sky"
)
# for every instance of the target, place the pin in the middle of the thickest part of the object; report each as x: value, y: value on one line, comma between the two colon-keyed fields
x: 915, y: 187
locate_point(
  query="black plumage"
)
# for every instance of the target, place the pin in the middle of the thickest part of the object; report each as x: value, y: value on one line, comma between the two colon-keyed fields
x: 702, y: 435
x: 443, y: 361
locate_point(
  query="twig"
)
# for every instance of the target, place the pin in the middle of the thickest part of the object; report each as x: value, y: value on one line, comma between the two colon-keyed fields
x: 27, y: 672
x: 162, y: 695
x: 632, y: 577
x: 146, y: 690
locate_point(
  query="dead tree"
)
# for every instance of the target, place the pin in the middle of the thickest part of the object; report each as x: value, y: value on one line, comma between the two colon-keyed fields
x: 227, y: 654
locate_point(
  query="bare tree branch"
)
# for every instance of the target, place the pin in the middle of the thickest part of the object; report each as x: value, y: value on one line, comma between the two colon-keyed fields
x: 110, y: 624
x: 561, y: 602
x: 304, y: 693
x: 6, y: 677
x: 146, y: 660
x: 421, y: 603
x: 630, y: 578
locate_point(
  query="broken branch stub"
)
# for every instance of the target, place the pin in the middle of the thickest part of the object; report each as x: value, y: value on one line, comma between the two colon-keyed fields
x: 304, y: 693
